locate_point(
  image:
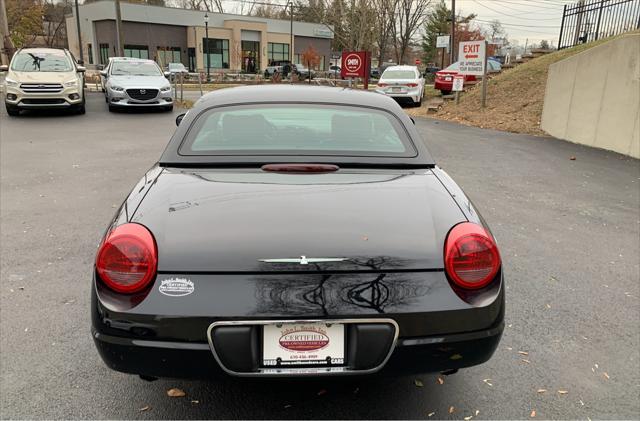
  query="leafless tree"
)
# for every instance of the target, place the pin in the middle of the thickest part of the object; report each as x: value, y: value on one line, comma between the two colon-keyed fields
x: 411, y: 15
x: 386, y: 17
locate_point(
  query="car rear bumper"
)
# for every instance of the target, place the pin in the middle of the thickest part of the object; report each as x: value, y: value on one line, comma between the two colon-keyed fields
x: 412, y: 94
x: 170, y: 336
x: 196, y: 361
x: 443, y: 86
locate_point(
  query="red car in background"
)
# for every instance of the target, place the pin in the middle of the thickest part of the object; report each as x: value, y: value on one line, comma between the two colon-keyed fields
x: 444, y: 78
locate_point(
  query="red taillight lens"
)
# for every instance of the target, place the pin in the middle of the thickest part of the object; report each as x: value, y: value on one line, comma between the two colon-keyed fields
x: 412, y: 85
x: 382, y: 85
x: 471, y: 256
x: 127, y: 259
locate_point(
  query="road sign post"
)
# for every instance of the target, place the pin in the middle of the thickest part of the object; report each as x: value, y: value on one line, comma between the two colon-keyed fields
x: 472, y: 56
x: 458, y: 85
x: 356, y: 64
x: 442, y: 42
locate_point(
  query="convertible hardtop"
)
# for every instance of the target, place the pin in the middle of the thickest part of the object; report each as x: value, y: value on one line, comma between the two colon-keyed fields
x: 295, y: 94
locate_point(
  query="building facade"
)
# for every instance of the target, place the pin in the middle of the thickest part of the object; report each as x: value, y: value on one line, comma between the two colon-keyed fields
x: 168, y: 35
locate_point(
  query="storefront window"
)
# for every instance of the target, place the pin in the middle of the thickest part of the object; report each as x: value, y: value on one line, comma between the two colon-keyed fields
x: 168, y: 55
x: 137, y: 51
x: 218, y: 53
x: 277, y: 52
x: 90, y: 53
x: 250, y: 56
x: 104, y: 53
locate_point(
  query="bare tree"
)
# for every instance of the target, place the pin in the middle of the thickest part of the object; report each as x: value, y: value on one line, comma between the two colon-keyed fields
x: 410, y: 17
x: 386, y: 17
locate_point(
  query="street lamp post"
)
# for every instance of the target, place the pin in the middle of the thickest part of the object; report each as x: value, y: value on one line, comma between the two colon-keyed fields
x: 290, y: 4
x: 206, y: 44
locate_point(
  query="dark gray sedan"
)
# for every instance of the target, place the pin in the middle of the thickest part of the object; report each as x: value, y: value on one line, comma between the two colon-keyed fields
x: 296, y: 231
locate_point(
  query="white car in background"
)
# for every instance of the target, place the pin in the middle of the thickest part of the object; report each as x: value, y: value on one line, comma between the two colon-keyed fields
x: 137, y: 83
x: 402, y: 83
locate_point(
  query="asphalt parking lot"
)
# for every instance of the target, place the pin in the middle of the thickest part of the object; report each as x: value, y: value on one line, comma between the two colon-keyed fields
x: 569, y: 232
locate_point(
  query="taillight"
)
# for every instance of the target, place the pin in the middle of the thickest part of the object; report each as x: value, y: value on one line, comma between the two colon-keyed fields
x: 471, y: 256
x: 127, y: 259
x: 382, y: 85
x: 412, y: 85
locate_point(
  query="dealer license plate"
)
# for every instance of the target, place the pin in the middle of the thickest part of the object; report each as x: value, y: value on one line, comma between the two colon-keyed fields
x: 290, y: 344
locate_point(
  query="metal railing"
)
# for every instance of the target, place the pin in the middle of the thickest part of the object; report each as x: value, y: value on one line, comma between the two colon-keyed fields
x: 589, y: 20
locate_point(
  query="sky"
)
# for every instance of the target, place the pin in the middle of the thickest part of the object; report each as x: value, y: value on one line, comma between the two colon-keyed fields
x: 532, y: 20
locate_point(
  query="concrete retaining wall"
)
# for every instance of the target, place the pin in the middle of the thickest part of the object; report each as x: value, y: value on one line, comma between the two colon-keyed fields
x: 593, y: 98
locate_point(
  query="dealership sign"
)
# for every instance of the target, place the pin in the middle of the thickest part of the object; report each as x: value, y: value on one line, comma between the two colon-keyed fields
x: 355, y: 64
x: 471, y: 55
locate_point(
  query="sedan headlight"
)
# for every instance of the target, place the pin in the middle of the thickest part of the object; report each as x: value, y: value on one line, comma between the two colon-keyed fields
x: 71, y: 83
x: 11, y: 82
x: 117, y: 88
x: 165, y: 88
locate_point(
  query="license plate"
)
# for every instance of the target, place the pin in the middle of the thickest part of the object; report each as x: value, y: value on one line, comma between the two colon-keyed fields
x: 303, y: 344
x: 448, y: 78
x: 396, y: 89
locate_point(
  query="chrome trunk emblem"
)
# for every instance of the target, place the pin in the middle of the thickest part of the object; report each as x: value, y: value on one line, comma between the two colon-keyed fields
x: 304, y: 260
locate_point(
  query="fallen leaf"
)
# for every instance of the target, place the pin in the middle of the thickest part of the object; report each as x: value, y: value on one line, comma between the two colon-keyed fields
x: 452, y: 410
x: 144, y: 408
x: 488, y: 382
x: 365, y: 238
x: 606, y: 375
x: 455, y: 357
x: 431, y: 414
x: 287, y: 406
x: 418, y: 383
x: 322, y: 392
x: 548, y: 306
x: 468, y: 418
x: 175, y: 393
x: 195, y: 401
x: 523, y: 353
x: 573, y: 158
x: 596, y: 365
x: 542, y: 390
x: 563, y: 392
x: 440, y: 380
x: 581, y: 403
x: 526, y: 361
x: 509, y: 348
x: 477, y: 412
x: 533, y: 414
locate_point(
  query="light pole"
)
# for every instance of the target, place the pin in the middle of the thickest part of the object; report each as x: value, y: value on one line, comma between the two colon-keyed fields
x: 290, y: 4
x: 81, y: 61
x: 206, y: 44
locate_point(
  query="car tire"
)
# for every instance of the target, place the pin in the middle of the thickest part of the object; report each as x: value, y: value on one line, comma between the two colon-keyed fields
x: 112, y: 109
x: 13, y: 111
x: 81, y: 109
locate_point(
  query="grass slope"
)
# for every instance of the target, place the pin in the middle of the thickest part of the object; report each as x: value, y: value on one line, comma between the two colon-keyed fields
x: 514, y: 98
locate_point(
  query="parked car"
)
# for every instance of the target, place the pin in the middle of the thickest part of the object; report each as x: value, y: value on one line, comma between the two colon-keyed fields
x: 403, y: 83
x: 493, y: 66
x: 302, y: 71
x: 283, y: 67
x: 137, y: 83
x: 444, y: 78
x: 103, y: 80
x: 335, y: 72
x: 43, y: 78
x: 176, y: 68
x: 296, y: 231
x: 374, y: 73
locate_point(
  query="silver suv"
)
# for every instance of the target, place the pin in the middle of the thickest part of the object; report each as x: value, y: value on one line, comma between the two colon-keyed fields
x: 43, y: 78
x: 136, y: 83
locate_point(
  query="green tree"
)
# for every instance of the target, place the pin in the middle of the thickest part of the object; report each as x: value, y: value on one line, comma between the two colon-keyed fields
x: 438, y: 22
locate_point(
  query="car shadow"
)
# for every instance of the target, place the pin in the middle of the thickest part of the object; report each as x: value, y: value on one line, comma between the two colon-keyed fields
x: 374, y: 397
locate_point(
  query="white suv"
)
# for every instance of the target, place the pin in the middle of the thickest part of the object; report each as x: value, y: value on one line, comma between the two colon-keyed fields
x: 43, y: 78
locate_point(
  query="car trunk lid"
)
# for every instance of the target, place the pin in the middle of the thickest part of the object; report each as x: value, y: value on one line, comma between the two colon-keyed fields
x: 250, y: 220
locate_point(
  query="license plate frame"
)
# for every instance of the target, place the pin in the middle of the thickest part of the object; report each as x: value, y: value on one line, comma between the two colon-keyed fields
x: 302, y: 344
x: 396, y: 89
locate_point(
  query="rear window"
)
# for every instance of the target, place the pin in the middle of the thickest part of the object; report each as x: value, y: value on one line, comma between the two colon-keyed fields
x: 399, y: 74
x: 297, y: 129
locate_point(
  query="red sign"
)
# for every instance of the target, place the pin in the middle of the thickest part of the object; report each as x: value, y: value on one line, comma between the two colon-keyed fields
x: 355, y: 64
x: 418, y: 62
